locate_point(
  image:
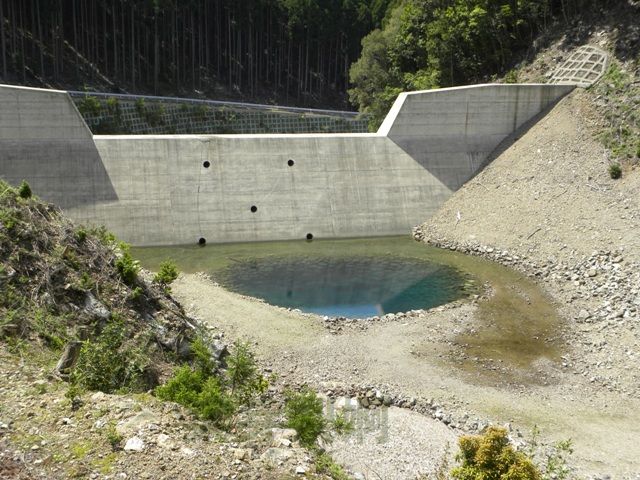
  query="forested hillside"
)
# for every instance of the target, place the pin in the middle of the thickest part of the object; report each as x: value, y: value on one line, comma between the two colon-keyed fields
x: 440, y: 43
x: 291, y: 51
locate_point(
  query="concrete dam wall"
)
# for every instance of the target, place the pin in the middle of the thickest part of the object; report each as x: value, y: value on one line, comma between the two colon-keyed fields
x: 180, y: 189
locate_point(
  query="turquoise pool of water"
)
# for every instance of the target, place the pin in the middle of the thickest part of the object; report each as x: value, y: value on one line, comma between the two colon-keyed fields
x: 339, y: 278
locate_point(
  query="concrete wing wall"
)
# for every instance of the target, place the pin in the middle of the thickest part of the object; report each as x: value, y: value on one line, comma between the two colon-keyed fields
x: 452, y: 131
x: 44, y: 140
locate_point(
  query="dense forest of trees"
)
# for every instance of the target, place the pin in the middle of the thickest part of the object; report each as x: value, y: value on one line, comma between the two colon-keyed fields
x: 294, y: 51
x: 427, y: 44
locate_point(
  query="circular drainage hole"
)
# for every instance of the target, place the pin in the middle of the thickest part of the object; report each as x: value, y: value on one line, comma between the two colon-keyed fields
x: 202, y: 241
x: 254, y: 209
x: 291, y: 163
x: 309, y: 236
x: 206, y: 164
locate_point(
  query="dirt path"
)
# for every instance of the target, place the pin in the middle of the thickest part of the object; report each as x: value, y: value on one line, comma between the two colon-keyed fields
x: 407, y: 358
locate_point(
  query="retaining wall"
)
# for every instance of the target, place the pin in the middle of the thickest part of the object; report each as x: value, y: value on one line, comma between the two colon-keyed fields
x: 176, y: 189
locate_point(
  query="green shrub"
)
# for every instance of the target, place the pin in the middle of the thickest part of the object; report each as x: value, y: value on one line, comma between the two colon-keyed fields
x: 81, y: 235
x: 213, y: 403
x: 511, y: 76
x: 183, y: 387
x: 113, y: 437
x: 303, y: 411
x: 490, y: 457
x: 615, y: 171
x: 167, y: 274
x: 325, y: 464
x: 105, y: 365
x: 200, y: 392
x: 128, y: 268
x: 341, y: 424
x: 245, y: 380
x: 140, y: 107
x: 89, y: 106
x: 24, y: 190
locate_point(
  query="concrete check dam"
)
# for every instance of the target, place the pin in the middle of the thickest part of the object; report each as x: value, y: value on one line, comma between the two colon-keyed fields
x: 181, y: 189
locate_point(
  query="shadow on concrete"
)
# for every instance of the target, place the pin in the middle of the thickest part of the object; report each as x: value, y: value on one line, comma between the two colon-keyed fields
x: 68, y: 173
x: 435, y: 155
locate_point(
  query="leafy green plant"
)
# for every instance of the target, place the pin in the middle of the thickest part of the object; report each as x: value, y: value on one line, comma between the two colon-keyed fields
x: 89, y: 106
x: 200, y: 392
x: 325, y: 464
x: 81, y: 234
x: 141, y: 107
x: 491, y: 457
x: 113, y: 437
x: 615, y: 171
x: 24, y: 190
x: 105, y: 364
x: 127, y: 266
x: 303, y: 411
x: 554, y: 464
x: 341, y: 424
x: 244, y: 378
x: 167, y: 274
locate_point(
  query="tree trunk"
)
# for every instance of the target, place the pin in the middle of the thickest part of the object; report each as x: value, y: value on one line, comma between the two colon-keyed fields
x: 3, y: 45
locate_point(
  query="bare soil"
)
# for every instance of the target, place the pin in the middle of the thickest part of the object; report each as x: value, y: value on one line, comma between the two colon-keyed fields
x: 548, y: 200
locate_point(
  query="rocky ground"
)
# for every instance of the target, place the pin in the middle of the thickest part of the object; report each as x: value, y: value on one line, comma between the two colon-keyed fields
x: 545, y: 206
x: 45, y: 435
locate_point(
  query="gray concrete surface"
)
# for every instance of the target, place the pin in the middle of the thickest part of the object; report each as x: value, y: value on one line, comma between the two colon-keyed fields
x: 153, y: 190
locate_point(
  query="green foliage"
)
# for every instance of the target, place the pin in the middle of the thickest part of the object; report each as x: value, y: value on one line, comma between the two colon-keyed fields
x: 615, y: 171
x: 490, y: 457
x: 24, y: 190
x: 621, y: 131
x: 106, y: 237
x: 89, y: 106
x: 511, y: 76
x: 81, y: 234
x: 50, y: 328
x: 325, y: 464
x: 303, y: 411
x: 141, y: 107
x: 211, y: 396
x: 199, y: 391
x: 127, y: 267
x: 244, y: 378
x: 167, y: 274
x: 341, y: 424
x: 427, y: 44
x: 113, y: 437
x: 107, y: 364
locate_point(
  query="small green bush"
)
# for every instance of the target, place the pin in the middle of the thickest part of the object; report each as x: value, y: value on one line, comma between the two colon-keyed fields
x: 325, y: 464
x: 89, y: 106
x: 127, y: 266
x: 141, y: 107
x: 113, y: 437
x: 81, y: 235
x: 244, y: 378
x: 615, y: 171
x: 303, y: 411
x: 200, y: 392
x: 24, y: 190
x: 341, y: 424
x: 105, y: 365
x: 490, y: 457
x: 167, y: 274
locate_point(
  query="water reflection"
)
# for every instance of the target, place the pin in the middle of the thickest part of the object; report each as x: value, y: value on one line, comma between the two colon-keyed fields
x: 356, y: 287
